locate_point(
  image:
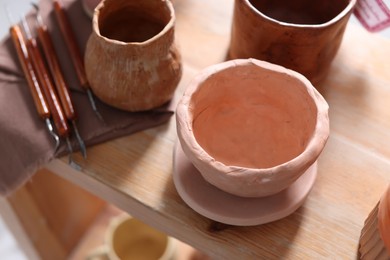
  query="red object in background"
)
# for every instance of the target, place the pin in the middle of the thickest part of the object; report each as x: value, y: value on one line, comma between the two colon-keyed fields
x: 374, y: 15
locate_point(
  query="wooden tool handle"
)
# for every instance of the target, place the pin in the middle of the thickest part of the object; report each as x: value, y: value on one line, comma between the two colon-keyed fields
x: 29, y: 73
x: 56, y: 72
x: 70, y: 40
x: 44, y: 79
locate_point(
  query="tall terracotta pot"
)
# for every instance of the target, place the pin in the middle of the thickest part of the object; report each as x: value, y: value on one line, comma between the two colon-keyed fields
x: 131, y: 60
x: 302, y: 35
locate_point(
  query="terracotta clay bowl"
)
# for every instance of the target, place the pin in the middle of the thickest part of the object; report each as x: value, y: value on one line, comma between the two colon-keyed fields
x: 250, y: 127
x: 375, y: 235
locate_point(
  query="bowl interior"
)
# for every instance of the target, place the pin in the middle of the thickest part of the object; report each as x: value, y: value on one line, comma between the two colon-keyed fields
x: 133, y: 239
x: 252, y: 117
x: 301, y: 11
x: 133, y: 21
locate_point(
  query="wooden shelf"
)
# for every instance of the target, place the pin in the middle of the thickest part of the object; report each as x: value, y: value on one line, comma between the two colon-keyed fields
x: 69, y: 224
x: 134, y: 173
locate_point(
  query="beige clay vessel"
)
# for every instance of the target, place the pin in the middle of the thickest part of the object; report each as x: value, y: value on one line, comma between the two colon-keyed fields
x: 131, y: 60
x: 375, y: 235
x: 127, y: 238
x: 90, y: 5
x: 252, y: 128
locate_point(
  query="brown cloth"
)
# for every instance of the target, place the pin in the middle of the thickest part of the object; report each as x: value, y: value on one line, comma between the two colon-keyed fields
x: 25, y: 143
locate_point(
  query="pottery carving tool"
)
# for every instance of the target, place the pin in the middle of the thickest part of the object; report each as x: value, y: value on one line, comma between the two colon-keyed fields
x: 61, y: 86
x: 31, y: 69
x: 44, y: 82
x: 32, y: 80
x: 70, y: 41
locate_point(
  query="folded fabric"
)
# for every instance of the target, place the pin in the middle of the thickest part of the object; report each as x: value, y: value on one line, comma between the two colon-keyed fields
x: 25, y: 142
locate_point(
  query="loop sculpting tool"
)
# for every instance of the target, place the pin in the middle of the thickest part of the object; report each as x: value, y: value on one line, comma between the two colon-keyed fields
x: 40, y: 85
x: 30, y: 74
x: 70, y: 41
x: 60, y: 83
x: 47, y: 87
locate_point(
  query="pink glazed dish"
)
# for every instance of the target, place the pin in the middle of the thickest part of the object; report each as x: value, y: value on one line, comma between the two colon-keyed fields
x: 251, y: 128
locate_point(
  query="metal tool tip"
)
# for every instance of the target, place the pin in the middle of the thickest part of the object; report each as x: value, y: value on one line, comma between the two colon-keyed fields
x: 74, y: 165
x: 93, y: 105
x: 71, y: 162
x: 57, y: 146
x: 83, y: 148
x: 38, y: 16
x: 26, y: 27
x: 35, y: 5
x: 53, y: 134
x: 100, y: 117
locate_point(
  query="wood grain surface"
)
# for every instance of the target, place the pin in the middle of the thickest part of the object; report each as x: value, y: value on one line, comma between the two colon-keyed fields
x: 135, y: 172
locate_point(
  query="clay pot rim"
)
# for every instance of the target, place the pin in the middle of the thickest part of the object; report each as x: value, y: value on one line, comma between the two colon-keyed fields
x: 167, y: 27
x: 334, y: 20
x: 302, y: 161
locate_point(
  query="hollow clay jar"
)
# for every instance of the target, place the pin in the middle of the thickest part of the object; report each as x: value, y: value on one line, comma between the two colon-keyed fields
x: 131, y: 60
x: 375, y: 235
x: 251, y: 128
x: 302, y: 35
x: 90, y: 5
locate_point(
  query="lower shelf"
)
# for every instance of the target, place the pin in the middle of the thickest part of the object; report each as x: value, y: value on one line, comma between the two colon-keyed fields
x: 69, y: 224
x: 94, y: 238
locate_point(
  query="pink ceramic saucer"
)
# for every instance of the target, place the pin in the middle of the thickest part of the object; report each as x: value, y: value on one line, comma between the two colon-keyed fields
x: 223, y: 207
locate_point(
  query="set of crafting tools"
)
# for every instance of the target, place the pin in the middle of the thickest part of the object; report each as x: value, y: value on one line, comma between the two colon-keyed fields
x: 48, y: 87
